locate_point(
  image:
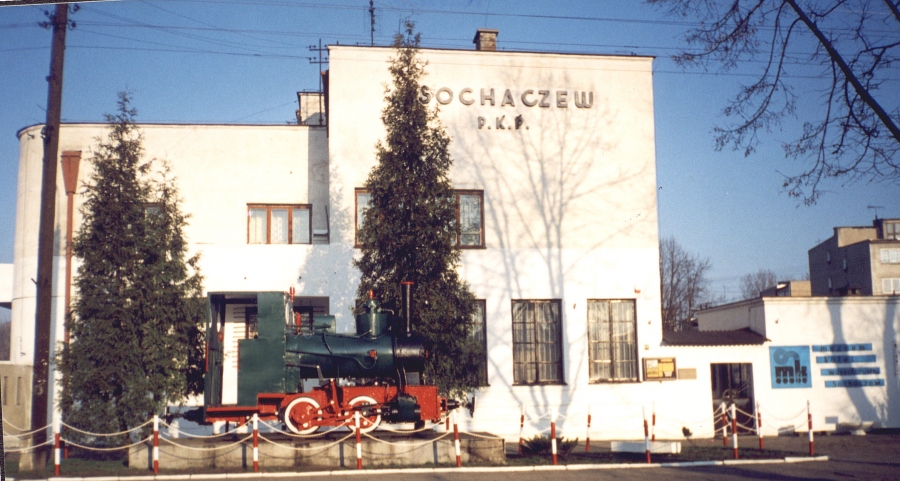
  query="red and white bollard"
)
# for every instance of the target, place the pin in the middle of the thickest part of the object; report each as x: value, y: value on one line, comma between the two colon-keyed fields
x: 724, y: 426
x: 646, y: 435
x: 358, y: 441
x: 553, y: 436
x: 734, y: 438
x: 521, y: 427
x: 587, y: 438
x: 653, y: 423
x: 256, y: 441
x: 155, y: 444
x: 812, y: 448
x: 56, y: 450
x: 759, y: 427
x: 456, y: 440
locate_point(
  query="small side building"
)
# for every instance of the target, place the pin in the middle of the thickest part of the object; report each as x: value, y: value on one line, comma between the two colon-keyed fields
x: 838, y: 353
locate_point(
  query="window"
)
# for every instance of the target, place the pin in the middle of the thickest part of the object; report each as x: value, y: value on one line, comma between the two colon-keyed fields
x: 890, y: 256
x: 612, y: 340
x: 537, y: 346
x: 469, y: 216
x: 251, y: 323
x: 478, y: 332
x: 890, y: 285
x: 279, y: 224
x: 152, y: 209
x: 892, y: 230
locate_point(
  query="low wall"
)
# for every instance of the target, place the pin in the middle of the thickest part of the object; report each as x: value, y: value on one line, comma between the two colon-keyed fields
x: 385, y: 450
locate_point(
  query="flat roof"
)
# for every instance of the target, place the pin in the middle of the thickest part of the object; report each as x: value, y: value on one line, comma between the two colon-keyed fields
x: 740, y: 337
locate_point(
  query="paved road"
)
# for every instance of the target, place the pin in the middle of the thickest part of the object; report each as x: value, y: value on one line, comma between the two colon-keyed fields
x: 872, y: 457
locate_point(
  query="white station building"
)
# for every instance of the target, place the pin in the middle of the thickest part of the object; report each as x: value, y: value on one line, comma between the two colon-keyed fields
x: 555, y: 174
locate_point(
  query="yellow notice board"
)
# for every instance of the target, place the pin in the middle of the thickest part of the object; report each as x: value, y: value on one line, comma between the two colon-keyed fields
x: 659, y: 369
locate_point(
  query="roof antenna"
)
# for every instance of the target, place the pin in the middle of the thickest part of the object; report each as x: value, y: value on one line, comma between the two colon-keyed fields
x: 875, y: 208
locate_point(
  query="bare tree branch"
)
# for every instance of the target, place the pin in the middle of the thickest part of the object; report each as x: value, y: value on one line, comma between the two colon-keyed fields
x: 856, y: 135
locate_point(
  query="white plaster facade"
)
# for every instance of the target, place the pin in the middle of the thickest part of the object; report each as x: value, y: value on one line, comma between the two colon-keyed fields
x: 868, y: 327
x: 570, y: 213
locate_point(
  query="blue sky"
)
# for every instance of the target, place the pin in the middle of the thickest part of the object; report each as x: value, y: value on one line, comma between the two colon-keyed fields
x: 242, y: 61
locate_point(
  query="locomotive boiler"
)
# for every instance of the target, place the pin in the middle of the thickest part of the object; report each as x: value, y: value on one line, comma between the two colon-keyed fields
x: 374, y: 371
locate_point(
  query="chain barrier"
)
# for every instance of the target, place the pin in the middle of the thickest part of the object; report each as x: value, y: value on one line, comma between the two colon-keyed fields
x: 25, y: 434
x: 94, y: 448
x: 191, y: 435
x: 28, y: 448
x: 404, y: 431
x: 317, y: 448
x: 771, y: 416
x: 120, y: 433
x: 217, y: 448
x: 726, y: 414
x: 745, y: 413
x: 484, y: 436
x: 382, y: 441
x: 17, y: 428
x: 301, y: 436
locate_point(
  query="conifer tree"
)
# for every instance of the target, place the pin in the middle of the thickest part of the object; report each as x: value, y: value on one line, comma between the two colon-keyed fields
x: 136, y: 316
x: 409, y: 227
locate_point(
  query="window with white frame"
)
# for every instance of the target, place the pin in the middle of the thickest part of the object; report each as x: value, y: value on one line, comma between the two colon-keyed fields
x: 279, y: 223
x: 890, y: 256
x: 363, y: 198
x: 469, y: 216
x: 537, y: 342
x: 892, y: 230
x: 612, y: 340
x: 890, y: 285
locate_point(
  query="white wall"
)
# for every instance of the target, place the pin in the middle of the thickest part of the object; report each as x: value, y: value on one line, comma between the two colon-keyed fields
x: 219, y: 170
x: 807, y: 322
x: 570, y: 197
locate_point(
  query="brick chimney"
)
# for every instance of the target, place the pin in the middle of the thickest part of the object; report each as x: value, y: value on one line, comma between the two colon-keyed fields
x: 486, y: 39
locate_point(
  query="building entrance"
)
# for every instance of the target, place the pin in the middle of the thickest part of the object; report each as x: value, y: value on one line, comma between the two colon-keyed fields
x: 733, y: 383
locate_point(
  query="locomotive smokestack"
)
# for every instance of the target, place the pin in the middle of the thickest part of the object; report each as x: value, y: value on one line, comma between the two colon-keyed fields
x: 406, y: 301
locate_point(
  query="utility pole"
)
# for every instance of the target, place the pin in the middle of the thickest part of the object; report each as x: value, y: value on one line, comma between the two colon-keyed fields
x: 372, y: 18
x: 320, y: 61
x: 59, y: 22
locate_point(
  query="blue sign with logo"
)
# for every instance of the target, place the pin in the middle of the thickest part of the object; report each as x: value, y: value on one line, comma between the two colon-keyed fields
x: 790, y: 367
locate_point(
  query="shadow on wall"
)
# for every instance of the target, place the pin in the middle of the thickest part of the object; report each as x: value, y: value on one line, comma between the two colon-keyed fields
x: 548, y: 186
x: 330, y: 267
x: 884, y: 411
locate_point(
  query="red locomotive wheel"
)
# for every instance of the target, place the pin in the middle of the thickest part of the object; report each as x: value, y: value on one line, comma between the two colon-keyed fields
x: 299, y: 414
x: 367, y: 424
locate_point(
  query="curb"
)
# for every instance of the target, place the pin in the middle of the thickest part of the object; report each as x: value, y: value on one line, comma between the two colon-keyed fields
x: 474, y: 469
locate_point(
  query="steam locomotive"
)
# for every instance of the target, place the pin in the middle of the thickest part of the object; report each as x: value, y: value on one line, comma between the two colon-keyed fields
x: 374, y: 371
